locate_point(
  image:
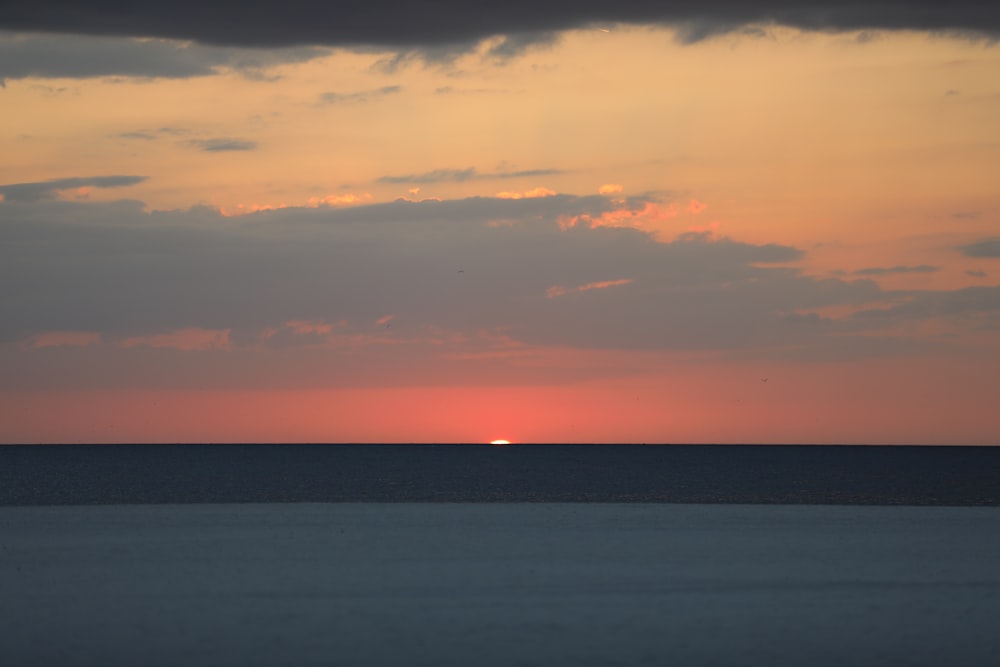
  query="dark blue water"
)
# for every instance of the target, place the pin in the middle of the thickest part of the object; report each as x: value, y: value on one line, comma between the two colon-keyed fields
x: 809, y: 474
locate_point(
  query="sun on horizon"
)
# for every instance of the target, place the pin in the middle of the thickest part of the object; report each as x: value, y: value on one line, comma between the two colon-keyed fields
x: 499, y: 442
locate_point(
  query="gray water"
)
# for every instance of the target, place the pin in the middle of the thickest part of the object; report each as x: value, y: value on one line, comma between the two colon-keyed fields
x: 499, y: 584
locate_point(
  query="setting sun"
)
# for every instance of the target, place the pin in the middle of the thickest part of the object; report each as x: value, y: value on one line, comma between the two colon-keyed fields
x: 499, y: 442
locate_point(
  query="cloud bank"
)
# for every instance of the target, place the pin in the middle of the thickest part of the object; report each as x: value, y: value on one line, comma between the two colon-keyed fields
x: 402, y: 24
x: 462, y: 266
x: 76, y: 56
x: 32, y: 192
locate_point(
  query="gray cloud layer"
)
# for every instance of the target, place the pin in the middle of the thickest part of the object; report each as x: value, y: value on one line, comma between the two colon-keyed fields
x: 985, y: 248
x: 74, y: 56
x: 884, y: 271
x: 32, y: 192
x: 405, y: 24
x: 468, y: 265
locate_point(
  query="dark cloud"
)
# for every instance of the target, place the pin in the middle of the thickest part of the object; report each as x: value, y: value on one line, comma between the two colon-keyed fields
x: 435, y: 176
x: 515, y: 44
x: 975, y: 305
x: 976, y: 274
x: 33, y: 192
x: 882, y: 271
x: 223, y: 144
x: 467, y: 174
x: 526, y: 271
x: 985, y: 248
x: 75, y: 56
x: 361, y: 96
x: 404, y: 24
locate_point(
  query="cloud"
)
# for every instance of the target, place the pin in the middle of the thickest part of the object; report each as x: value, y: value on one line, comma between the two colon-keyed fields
x: 533, y: 192
x: 399, y: 24
x: 975, y: 273
x: 77, y: 56
x: 63, y: 338
x: 151, y: 289
x: 358, y: 97
x: 144, y: 136
x: 436, y: 176
x: 986, y: 248
x: 967, y: 215
x: 451, y: 90
x: 37, y: 191
x: 184, y: 339
x: 467, y: 174
x: 113, y: 269
x: 975, y: 305
x: 223, y: 144
x: 513, y: 45
x: 558, y: 290
x: 882, y: 271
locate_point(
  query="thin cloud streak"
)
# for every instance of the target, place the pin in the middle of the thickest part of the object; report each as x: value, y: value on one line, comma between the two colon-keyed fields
x: 37, y: 191
x: 462, y: 175
x: 222, y: 145
x: 884, y: 271
x: 358, y: 97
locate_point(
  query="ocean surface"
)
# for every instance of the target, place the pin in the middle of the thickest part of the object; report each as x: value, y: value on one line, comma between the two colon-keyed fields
x: 499, y: 584
x: 530, y: 555
x: 268, y: 473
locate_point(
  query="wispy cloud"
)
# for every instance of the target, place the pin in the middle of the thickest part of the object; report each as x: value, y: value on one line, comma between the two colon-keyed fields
x: 63, y: 339
x: 37, y: 191
x: 452, y: 90
x: 144, y: 136
x: 985, y: 248
x: 883, y: 271
x: 359, y: 96
x: 558, y: 290
x: 223, y: 144
x: 189, y: 339
x: 467, y: 174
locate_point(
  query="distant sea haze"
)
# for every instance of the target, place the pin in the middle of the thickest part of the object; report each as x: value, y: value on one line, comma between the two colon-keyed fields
x: 733, y: 474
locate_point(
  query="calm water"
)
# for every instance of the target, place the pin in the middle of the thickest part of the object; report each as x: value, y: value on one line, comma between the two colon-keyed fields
x: 873, y: 475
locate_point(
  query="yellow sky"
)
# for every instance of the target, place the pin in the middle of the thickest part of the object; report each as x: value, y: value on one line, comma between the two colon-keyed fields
x: 804, y: 138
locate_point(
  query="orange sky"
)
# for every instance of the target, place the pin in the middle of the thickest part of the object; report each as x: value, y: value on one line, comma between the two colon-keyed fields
x: 617, y: 237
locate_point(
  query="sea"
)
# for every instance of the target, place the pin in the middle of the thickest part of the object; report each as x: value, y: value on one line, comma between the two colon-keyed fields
x: 532, y: 555
x: 621, y: 473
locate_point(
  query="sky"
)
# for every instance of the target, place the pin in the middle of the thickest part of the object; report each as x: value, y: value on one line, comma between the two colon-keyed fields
x: 657, y: 222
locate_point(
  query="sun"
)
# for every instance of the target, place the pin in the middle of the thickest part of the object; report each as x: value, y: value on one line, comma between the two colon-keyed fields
x: 499, y: 443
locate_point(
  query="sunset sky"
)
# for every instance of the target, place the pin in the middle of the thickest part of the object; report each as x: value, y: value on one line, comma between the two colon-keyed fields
x: 390, y: 221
